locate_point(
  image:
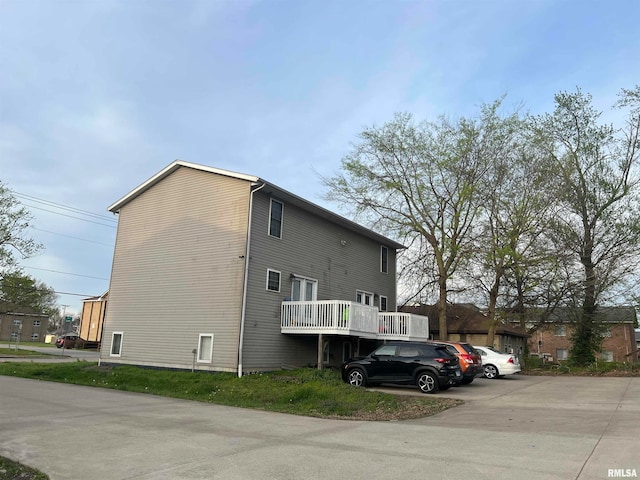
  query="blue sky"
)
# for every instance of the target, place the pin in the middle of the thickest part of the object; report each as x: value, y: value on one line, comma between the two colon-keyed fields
x: 97, y: 96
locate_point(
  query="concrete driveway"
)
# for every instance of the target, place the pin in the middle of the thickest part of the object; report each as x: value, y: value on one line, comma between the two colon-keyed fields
x: 517, y: 428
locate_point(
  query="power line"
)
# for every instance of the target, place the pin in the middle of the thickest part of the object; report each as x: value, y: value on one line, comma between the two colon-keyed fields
x: 40, y: 290
x: 70, y: 236
x: 64, y: 207
x: 65, y: 273
x: 71, y: 216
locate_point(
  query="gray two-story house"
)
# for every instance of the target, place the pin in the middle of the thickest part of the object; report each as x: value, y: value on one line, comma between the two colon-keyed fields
x: 221, y: 271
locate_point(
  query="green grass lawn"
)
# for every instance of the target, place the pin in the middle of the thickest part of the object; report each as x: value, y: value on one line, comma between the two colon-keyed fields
x: 18, y: 353
x: 10, y: 470
x: 307, y: 392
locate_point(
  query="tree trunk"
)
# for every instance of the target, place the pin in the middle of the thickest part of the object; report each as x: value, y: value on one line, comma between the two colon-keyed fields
x: 493, y: 300
x: 442, y: 311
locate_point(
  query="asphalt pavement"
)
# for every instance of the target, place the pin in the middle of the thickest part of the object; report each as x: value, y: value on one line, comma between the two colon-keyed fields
x: 514, y: 428
x: 52, y: 354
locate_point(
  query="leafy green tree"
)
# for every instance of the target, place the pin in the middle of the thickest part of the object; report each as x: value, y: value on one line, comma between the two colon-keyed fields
x: 599, y: 215
x: 420, y: 182
x: 511, y: 241
x: 14, y: 220
x: 22, y: 293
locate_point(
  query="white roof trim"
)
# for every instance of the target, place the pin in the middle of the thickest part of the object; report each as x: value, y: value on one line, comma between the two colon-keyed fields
x: 170, y: 169
x: 281, y: 193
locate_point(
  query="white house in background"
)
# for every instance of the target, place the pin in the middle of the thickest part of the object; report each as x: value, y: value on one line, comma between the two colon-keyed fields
x: 221, y: 271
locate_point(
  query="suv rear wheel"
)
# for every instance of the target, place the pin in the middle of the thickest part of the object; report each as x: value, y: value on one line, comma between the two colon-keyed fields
x: 427, y: 382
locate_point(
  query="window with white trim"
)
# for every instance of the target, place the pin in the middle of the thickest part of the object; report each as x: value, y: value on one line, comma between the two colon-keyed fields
x: 384, y: 259
x: 276, y: 211
x: 116, y: 344
x: 562, y: 354
x: 560, y: 331
x: 383, y: 303
x: 34, y: 337
x: 205, y: 347
x: 36, y: 323
x: 17, y: 323
x: 365, y: 298
x: 606, y: 356
x: 273, y: 280
x: 14, y: 335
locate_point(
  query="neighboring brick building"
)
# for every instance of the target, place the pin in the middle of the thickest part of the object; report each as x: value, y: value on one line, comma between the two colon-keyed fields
x: 28, y: 327
x: 552, y: 340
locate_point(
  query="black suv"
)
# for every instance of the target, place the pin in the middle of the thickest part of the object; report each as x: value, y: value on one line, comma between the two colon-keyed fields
x: 430, y: 367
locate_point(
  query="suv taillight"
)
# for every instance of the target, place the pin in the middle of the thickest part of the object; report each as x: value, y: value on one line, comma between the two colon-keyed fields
x: 467, y: 358
x: 442, y: 360
x: 510, y: 360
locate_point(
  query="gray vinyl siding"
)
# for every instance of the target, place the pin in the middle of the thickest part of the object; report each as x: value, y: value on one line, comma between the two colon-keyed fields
x: 178, y: 271
x: 341, y: 260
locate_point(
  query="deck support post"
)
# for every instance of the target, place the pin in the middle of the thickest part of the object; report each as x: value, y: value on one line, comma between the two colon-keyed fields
x: 320, y: 345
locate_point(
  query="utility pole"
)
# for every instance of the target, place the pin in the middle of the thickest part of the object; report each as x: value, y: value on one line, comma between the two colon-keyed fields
x: 64, y: 313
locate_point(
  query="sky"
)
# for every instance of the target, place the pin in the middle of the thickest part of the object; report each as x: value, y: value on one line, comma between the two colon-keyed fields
x: 97, y: 96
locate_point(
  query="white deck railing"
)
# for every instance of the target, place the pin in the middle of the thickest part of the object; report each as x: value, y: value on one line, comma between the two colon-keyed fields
x: 398, y: 325
x: 340, y: 317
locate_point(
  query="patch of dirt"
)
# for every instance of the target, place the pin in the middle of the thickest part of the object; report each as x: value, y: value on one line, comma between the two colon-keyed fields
x: 409, y: 408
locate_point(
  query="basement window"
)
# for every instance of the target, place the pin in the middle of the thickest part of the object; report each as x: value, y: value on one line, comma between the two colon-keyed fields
x: 116, y: 344
x: 205, y: 348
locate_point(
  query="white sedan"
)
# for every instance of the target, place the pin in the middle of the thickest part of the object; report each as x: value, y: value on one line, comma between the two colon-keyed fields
x: 496, y: 364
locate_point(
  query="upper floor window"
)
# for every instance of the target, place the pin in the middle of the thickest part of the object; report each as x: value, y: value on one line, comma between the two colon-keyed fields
x: 383, y: 303
x: 275, y: 218
x: 384, y: 259
x: 17, y: 323
x: 364, y: 298
x: 273, y: 280
x: 560, y: 331
x: 36, y: 323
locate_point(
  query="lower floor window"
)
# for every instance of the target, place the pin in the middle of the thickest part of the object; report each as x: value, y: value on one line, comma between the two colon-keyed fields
x: 205, y: 347
x: 34, y: 337
x: 562, y: 354
x: 607, y: 356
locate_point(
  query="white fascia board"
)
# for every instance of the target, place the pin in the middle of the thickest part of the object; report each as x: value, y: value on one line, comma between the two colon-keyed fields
x: 170, y: 169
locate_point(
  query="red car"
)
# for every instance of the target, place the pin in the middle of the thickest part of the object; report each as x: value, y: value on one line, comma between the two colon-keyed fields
x: 67, y: 340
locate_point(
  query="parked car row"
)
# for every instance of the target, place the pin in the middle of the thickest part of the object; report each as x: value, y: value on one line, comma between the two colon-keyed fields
x: 431, y: 366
